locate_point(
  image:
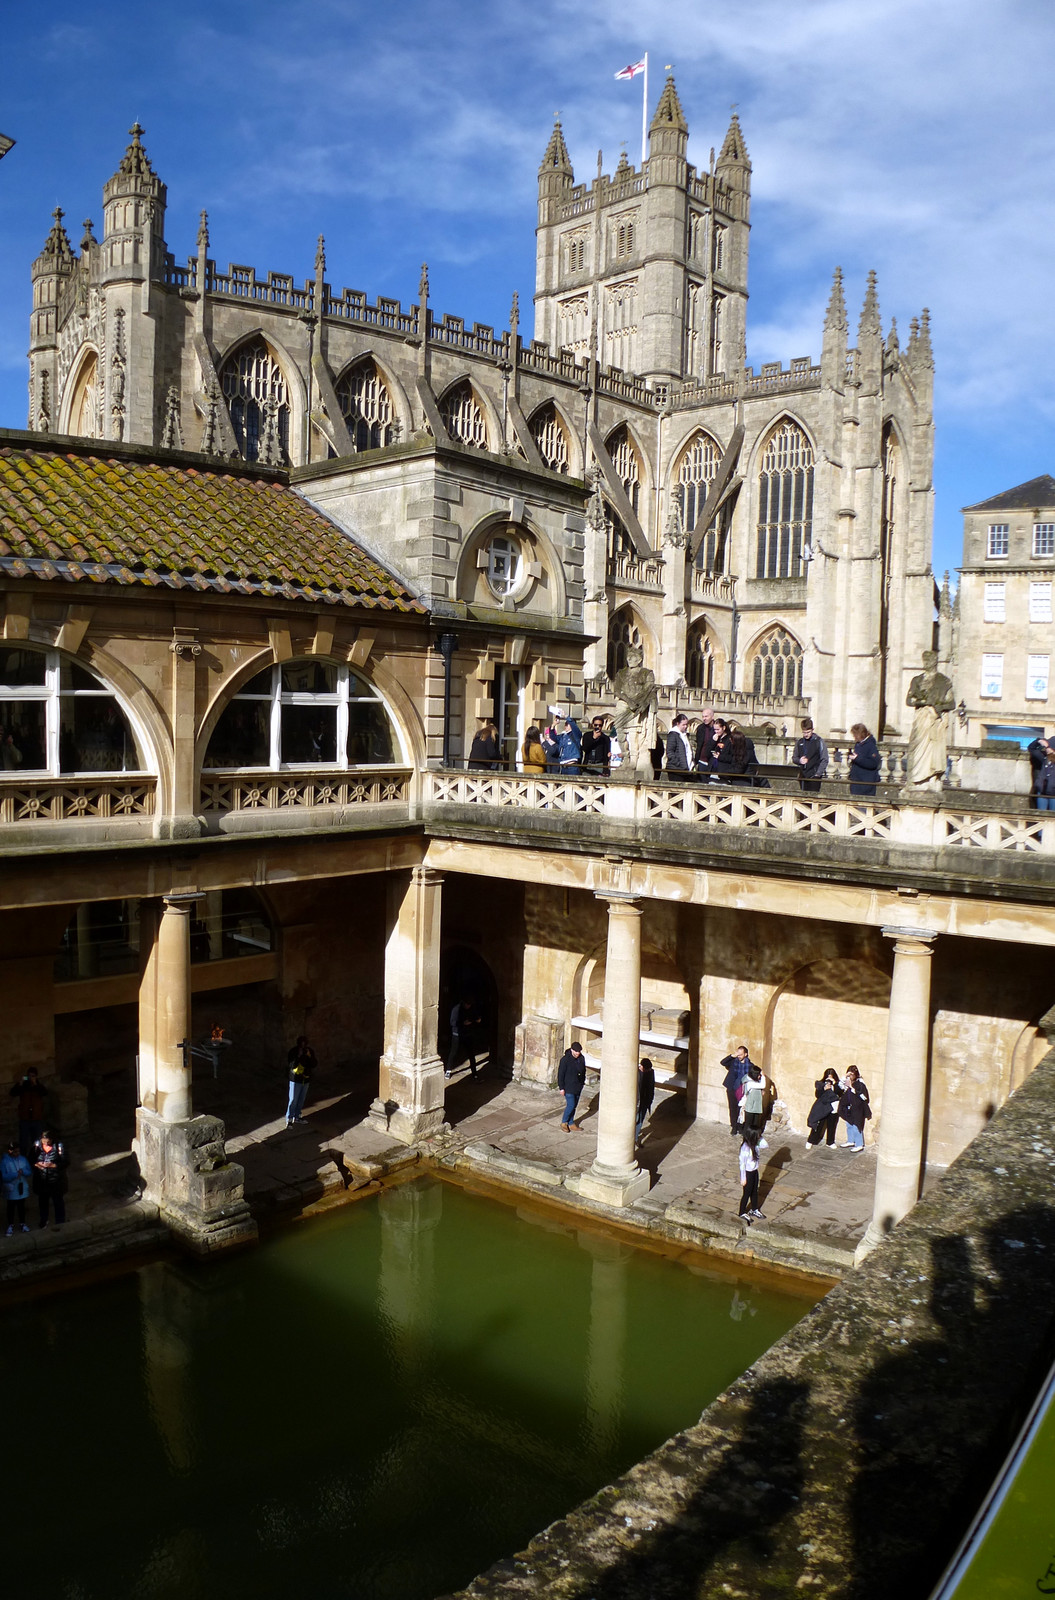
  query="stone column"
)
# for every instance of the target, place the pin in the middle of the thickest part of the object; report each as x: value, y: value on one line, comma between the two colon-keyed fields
x: 900, y: 1155
x: 615, y: 1178
x: 410, y: 1094
x: 182, y: 1160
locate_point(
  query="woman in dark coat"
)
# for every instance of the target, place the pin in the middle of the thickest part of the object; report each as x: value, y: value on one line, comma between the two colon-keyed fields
x: 865, y: 761
x: 824, y: 1113
x: 854, y: 1109
x: 736, y: 761
x: 485, y: 754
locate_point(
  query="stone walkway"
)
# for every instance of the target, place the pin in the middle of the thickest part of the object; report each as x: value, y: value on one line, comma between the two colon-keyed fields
x: 817, y: 1203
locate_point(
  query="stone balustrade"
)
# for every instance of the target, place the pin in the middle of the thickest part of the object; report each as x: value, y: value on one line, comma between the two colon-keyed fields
x: 47, y: 800
x: 234, y: 801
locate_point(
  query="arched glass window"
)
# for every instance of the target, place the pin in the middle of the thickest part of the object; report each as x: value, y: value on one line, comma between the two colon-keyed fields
x: 777, y: 664
x: 623, y: 632
x: 627, y: 464
x: 503, y: 565
x: 250, y: 377
x: 785, y: 503
x: 697, y: 469
x: 57, y: 718
x: 84, y: 412
x: 366, y: 406
x: 702, y: 664
x: 548, y: 431
x: 463, y: 417
x: 304, y: 714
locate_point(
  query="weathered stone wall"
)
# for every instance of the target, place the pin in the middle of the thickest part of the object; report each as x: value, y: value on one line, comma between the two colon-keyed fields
x: 848, y: 1461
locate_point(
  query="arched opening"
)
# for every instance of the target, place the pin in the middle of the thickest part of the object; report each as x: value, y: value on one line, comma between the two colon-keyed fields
x: 86, y: 400
x: 465, y: 975
x: 551, y: 438
x: 366, y: 406
x: 888, y: 531
x: 785, y: 503
x: 830, y: 1013
x: 627, y: 463
x: 696, y: 470
x: 309, y: 713
x: 704, y: 657
x: 57, y: 718
x: 775, y: 664
x: 463, y: 416
x: 257, y: 398
x: 624, y: 631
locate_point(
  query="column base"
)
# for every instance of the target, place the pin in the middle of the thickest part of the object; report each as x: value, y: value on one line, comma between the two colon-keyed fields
x: 612, y: 1186
x: 409, y: 1105
x: 198, y: 1192
x: 402, y: 1123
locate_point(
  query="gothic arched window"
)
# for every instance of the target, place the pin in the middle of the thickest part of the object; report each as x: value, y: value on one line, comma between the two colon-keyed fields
x: 703, y: 659
x: 84, y: 411
x: 777, y: 664
x: 366, y: 406
x: 463, y: 417
x: 697, y: 470
x: 250, y: 377
x: 547, y: 428
x: 623, y: 633
x: 785, y: 503
x: 627, y: 463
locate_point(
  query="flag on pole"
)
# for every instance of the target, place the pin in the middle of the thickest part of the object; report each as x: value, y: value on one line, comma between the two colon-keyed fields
x: 632, y: 70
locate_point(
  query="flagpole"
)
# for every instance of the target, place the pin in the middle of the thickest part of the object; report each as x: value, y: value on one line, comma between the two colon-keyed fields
x: 644, y: 114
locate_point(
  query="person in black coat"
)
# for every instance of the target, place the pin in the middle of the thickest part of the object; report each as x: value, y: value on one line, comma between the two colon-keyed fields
x: 596, y: 748
x: 823, y: 1118
x: 737, y: 762
x: 736, y: 1069
x: 865, y: 761
x: 646, y: 1092
x: 571, y: 1080
x: 485, y: 753
x: 854, y: 1109
x: 679, y: 751
x: 810, y: 756
x: 704, y: 741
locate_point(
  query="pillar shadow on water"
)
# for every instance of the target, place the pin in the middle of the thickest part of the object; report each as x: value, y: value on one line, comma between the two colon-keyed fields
x: 934, y: 1422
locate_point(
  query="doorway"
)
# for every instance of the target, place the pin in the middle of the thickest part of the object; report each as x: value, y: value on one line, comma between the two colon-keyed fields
x: 509, y: 709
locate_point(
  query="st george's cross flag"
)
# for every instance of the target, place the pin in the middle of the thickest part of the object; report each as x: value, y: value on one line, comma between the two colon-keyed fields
x: 632, y: 70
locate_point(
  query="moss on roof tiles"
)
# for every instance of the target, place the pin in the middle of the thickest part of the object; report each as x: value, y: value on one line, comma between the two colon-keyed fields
x: 136, y: 517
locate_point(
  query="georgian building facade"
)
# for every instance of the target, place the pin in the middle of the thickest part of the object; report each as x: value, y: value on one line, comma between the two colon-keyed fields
x: 764, y: 536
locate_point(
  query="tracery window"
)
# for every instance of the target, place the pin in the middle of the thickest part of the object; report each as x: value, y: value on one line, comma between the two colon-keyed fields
x: 57, y: 717
x: 718, y: 252
x: 463, y: 417
x: 697, y: 235
x: 84, y: 412
x: 250, y: 377
x: 785, y: 503
x: 623, y: 634
x: 621, y: 324
x: 627, y: 463
x: 575, y: 252
x: 366, y: 406
x: 717, y: 333
x: 701, y: 657
x: 777, y: 664
x: 623, y: 240
x: 697, y: 470
x: 304, y: 714
x: 574, y: 318
x: 552, y: 441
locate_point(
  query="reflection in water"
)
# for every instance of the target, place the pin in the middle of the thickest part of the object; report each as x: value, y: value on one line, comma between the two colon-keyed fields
x: 742, y: 1306
x: 605, y: 1377
x: 406, y: 1285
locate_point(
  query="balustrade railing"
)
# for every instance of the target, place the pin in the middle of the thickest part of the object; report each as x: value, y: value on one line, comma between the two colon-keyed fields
x: 70, y: 799
x: 723, y: 806
x: 711, y: 586
x: 226, y: 792
x: 630, y: 569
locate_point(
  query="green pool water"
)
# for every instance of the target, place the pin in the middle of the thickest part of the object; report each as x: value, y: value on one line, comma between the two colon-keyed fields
x: 373, y: 1405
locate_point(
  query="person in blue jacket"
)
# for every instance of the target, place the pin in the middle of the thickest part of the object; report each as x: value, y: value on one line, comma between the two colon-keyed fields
x: 15, y: 1173
x: 865, y: 761
x: 567, y: 739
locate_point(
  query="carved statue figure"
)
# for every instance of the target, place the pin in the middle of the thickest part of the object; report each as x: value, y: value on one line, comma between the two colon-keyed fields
x: 635, y: 689
x: 930, y: 694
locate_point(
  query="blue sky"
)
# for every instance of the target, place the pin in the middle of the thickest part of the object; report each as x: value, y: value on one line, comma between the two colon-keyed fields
x: 913, y: 136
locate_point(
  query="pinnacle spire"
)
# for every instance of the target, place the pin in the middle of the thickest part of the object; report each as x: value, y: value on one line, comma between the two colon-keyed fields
x: 870, y: 323
x: 89, y: 237
x: 734, y: 150
x: 135, y: 162
x: 925, y: 348
x: 203, y: 231
x: 556, y: 158
x: 835, y: 316
x: 57, y: 244
x: 668, y: 111
x: 320, y: 257
x: 892, y: 343
x: 514, y: 314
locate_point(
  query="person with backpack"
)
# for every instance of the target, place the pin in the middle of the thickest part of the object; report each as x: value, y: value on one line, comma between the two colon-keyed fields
x: 302, y: 1063
x: 753, y: 1109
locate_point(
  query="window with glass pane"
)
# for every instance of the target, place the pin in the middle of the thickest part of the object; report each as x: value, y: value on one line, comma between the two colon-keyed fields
x: 304, y: 714
x: 994, y: 608
x: 999, y: 540
x: 785, y: 503
x: 503, y: 565
x: 1040, y: 602
x: 1044, y: 538
x: 57, y: 717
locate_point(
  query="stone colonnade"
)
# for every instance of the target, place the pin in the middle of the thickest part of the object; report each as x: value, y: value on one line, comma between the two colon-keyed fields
x: 182, y: 1159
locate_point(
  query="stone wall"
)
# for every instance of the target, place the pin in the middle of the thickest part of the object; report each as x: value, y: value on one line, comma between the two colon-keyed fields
x: 848, y: 1461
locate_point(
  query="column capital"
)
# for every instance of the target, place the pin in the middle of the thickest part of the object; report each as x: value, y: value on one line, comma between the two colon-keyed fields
x: 182, y: 899
x: 620, y: 899
x: 426, y: 875
x: 911, y: 941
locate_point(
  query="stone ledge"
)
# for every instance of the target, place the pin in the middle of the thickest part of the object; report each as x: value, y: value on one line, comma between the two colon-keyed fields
x: 848, y: 1461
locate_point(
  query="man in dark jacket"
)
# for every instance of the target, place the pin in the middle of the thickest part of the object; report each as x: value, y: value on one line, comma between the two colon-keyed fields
x: 31, y: 1095
x: 810, y: 756
x: 705, y: 741
x: 679, y: 751
x: 596, y: 748
x: 568, y: 740
x: 571, y: 1080
x: 646, y: 1092
x: 465, y: 1019
x: 736, y: 1069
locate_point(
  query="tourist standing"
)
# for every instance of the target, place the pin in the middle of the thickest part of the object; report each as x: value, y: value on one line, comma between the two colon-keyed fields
x: 485, y: 753
x: 704, y: 741
x: 49, y: 1177
x: 679, y: 751
x: 571, y: 1080
x: 753, y: 1110
x: 823, y: 1117
x: 736, y: 1070
x: 15, y: 1175
x: 646, y: 1092
x: 1045, y: 785
x: 736, y: 761
x: 465, y: 1020
x: 811, y: 757
x: 749, y: 1177
x: 854, y: 1109
x: 533, y: 754
x: 568, y: 741
x: 31, y: 1095
x: 302, y: 1063
x: 596, y: 748
x: 865, y: 761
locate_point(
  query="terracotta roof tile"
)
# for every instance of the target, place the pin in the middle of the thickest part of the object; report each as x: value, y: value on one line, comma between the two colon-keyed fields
x: 114, y: 520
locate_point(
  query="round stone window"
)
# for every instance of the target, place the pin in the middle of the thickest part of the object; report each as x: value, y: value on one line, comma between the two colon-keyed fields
x: 504, y: 564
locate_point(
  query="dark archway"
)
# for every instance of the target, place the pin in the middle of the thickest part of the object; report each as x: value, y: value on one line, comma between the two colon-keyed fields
x: 465, y: 975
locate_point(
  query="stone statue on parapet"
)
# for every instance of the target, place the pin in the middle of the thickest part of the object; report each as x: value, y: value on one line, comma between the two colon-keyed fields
x: 930, y: 694
x: 635, y: 690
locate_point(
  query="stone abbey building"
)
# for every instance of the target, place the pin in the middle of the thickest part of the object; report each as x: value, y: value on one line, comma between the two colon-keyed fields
x: 765, y: 536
